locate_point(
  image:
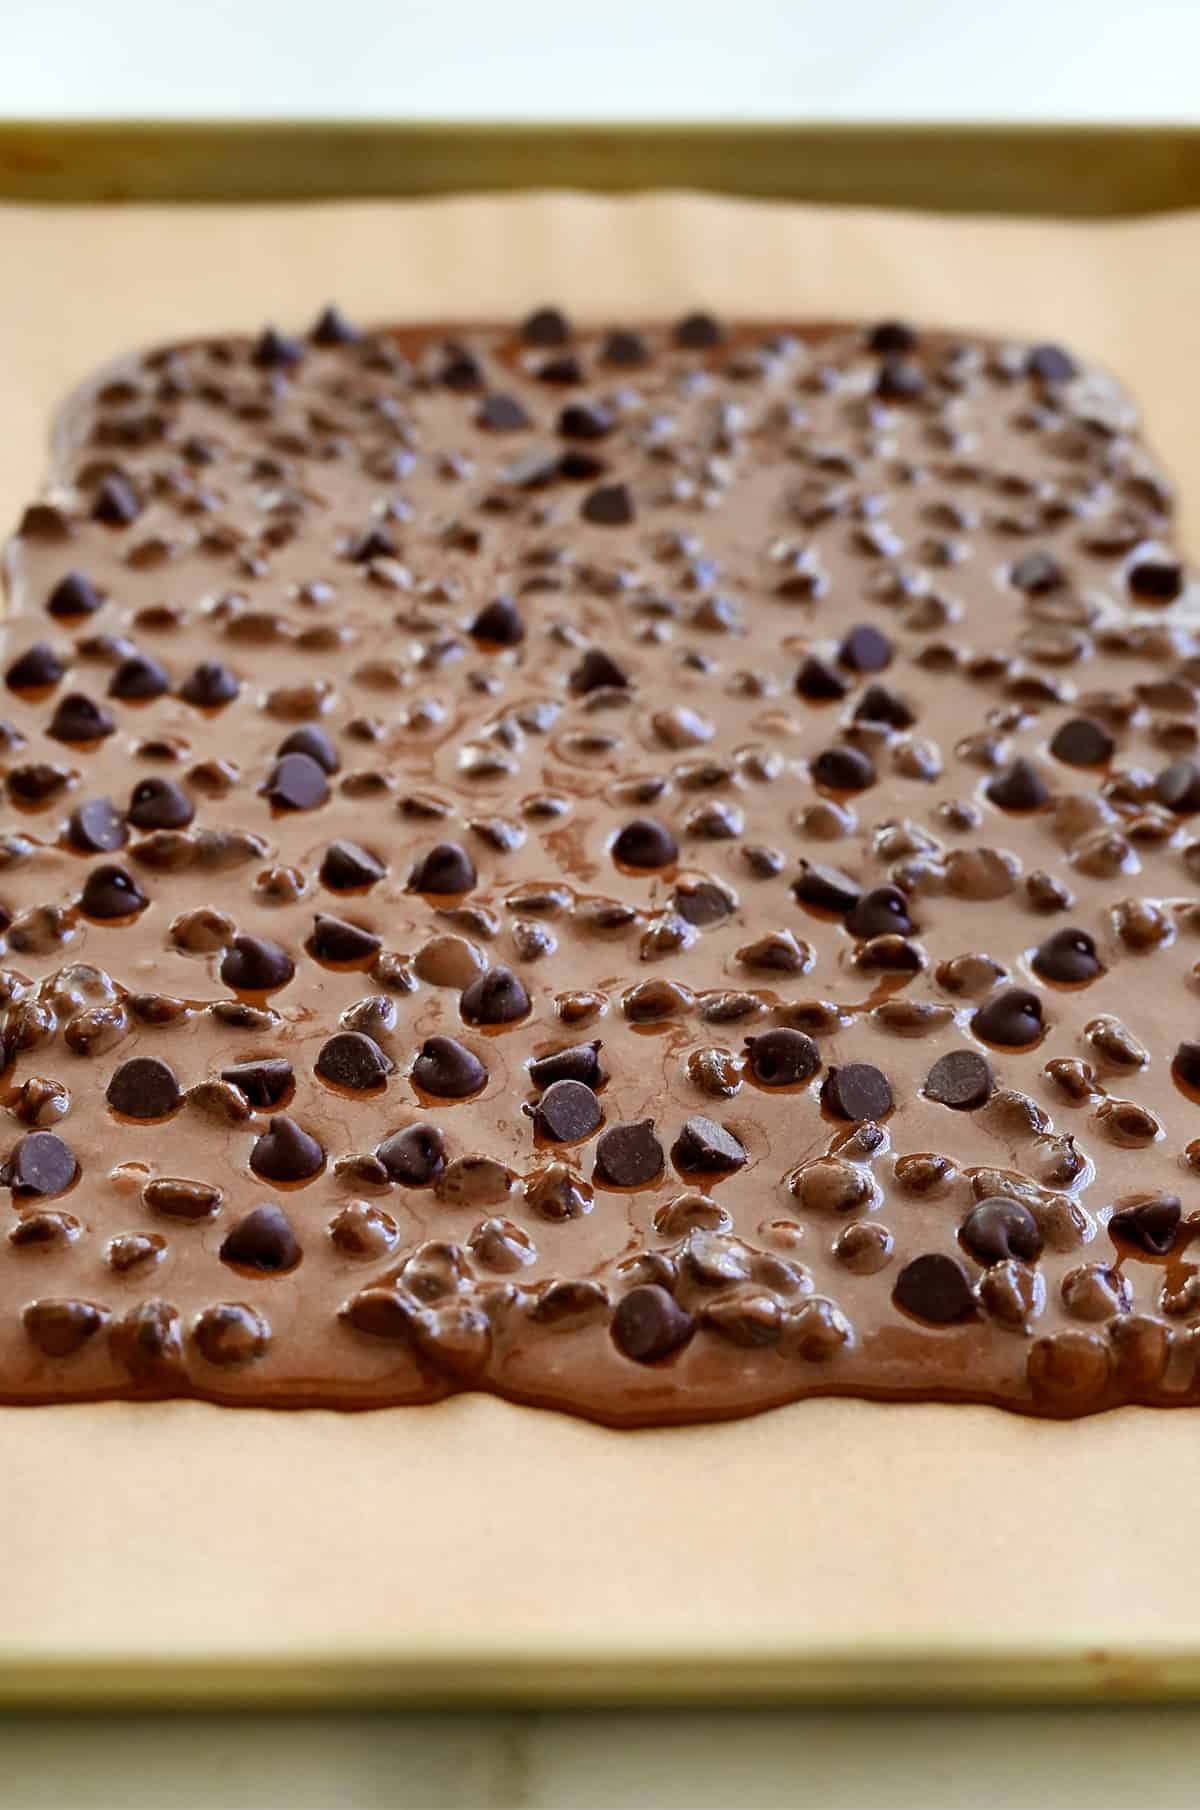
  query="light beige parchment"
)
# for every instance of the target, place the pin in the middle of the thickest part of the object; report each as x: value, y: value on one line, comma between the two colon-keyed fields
x: 481, y: 1549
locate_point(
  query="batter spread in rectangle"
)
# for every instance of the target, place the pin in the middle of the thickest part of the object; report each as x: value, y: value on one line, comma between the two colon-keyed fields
x: 651, y: 871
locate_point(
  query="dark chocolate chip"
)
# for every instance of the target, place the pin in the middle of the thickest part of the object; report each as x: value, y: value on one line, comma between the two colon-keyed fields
x: 879, y: 705
x: 649, y: 1324
x: 608, y: 506
x: 865, y: 649
x: 497, y: 996
x: 447, y: 1069
x: 628, y: 1154
x: 74, y: 595
x: 961, y: 1079
x: 37, y: 667
x: 262, y: 1239
x: 934, y: 1288
x: 697, y: 332
x: 144, y: 1088
x: 857, y: 1091
x: 546, y: 327
x: 1185, y: 1064
x: 899, y: 381
x: 881, y: 912
x: 998, y: 1229
x: 625, y: 349
x: 139, y: 677
x: 842, y: 769
x: 578, y: 1062
x: 94, y: 828
x: 499, y: 623
x: 705, y: 1148
x: 264, y: 1083
x: 827, y: 888
x: 782, y: 1058
x: 297, y: 783
x: 313, y: 742
x: 61, y: 1328
x: 445, y: 870
x: 209, y: 685
x: 352, y: 1059
x: 567, y: 1111
x: 110, y: 892
x: 1018, y: 787
x: 819, y: 682
x: 331, y: 328
x: 1152, y: 1225
x: 337, y: 940
x: 1069, y: 955
x: 345, y: 866
x: 596, y: 670
x: 1081, y: 742
x: 414, y: 1157
x: 160, y: 804
x: 39, y: 1163
x: 892, y: 336
x: 78, y: 719
x: 116, y: 502
x: 286, y: 1152
x: 251, y: 964
x: 273, y: 348
x: 1036, y: 573
x: 501, y: 414
x: 645, y: 843
x: 585, y: 421
x: 1156, y: 580
x: 1051, y: 364
x: 1012, y: 1019
x: 565, y: 369
x: 1178, y: 788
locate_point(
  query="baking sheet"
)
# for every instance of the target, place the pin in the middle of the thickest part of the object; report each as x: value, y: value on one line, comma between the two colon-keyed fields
x: 477, y: 1549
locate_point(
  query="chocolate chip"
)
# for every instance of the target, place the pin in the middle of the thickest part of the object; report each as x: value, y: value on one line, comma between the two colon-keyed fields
x: 501, y: 414
x: 998, y: 1229
x: 892, y: 336
x: 645, y: 843
x: 819, y: 682
x: 879, y: 705
x: 286, y: 1152
x: 94, y: 828
x: 337, y: 940
x: 110, y: 892
x: 253, y: 965
x: 1156, y: 580
x: 39, y: 1163
x: 597, y: 670
x: 61, y: 1328
x: 1186, y: 1064
x: 648, y: 1324
x: 160, y: 804
x: 1050, y: 364
x: 628, y: 1154
x: 74, y: 595
x: 899, y: 381
x: 262, y: 1239
x: 37, y: 667
x: 546, y: 327
x: 331, y: 328
x: 116, y: 502
x: 567, y: 1111
x: 697, y: 332
x: 264, y: 1083
x: 585, y: 421
x: 446, y: 869
x: 273, y: 348
x: 705, y: 1148
x: 782, y: 1058
x: 881, y: 912
x: 78, y: 719
x: 864, y: 649
x: 1178, y: 788
x: 625, y: 349
x: 499, y: 623
x: 857, y: 1091
x: 447, y: 1069
x: 1069, y: 955
x: 229, y: 1332
x: 843, y: 769
x: 1018, y: 787
x: 826, y: 888
x: 137, y: 678
x: 1152, y: 1225
x: 345, y: 867
x: 313, y: 742
x: 352, y: 1059
x: 608, y: 506
x: 1013, y: 1019
x: 416, y: 1156
x: 934, y: 1288
x: 578, y: 1062
x: 209, y: 685
x: 961, y: 1079
x: 497, y: 996
x: 144, y: 1088
x: 1082, y: 743
x: 297, y: 783
x: 1036, y: 573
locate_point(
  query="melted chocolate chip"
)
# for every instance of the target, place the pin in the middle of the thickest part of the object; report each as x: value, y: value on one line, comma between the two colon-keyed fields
x: 497, y: 996
x: 94, y: 828
x: 998, y: 1229
x: 881, y: 912
x: 499, y: 623
x: 444, y: 870
x: 1069, y: 955
x: 843, y: 770
x: 1036, y: 573
x: 628, y: 1154
x: 597, y: 670
x: 1012, y: 1019
x: 262, y: 1239
x: 567, y: 1111
x: 879, y: 705
x: 934, y: 1288
x: 1152, y: 1225
x: 857, y: 1090
x: 110, y: 892
x: 705, y: 1148
x: 578, y: 1062
x: 61, y: 1328
x: 230, y: 1333
x: 782, y: 1058
x: 352, y: 1059
x: 961, y: 1079
x: 1156, y: 580
x: 286, y: 1152
x: 39, y: 1163
x: 447, y: 1069
x: 337, y: 940
x: 159, y: 804
x: 608, y: 506
x: 819, y: 682
x: 1082, y: 743
x: 414, y: 1157
x: 826, y: 888
x: 264, y: 1083
x: 251, y: 964
x: 1018, y: 787
x: 144, y: 1088
x: 1178, y: 788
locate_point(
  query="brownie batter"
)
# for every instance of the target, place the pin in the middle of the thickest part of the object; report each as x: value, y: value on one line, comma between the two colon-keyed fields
x: 649, y: 871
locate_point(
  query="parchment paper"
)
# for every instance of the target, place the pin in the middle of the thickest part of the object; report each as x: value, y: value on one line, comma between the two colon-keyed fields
x: 477, y: 1546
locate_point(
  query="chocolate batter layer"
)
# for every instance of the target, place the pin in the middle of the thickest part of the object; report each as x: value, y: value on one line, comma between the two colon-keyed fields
x: 646, y: 871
